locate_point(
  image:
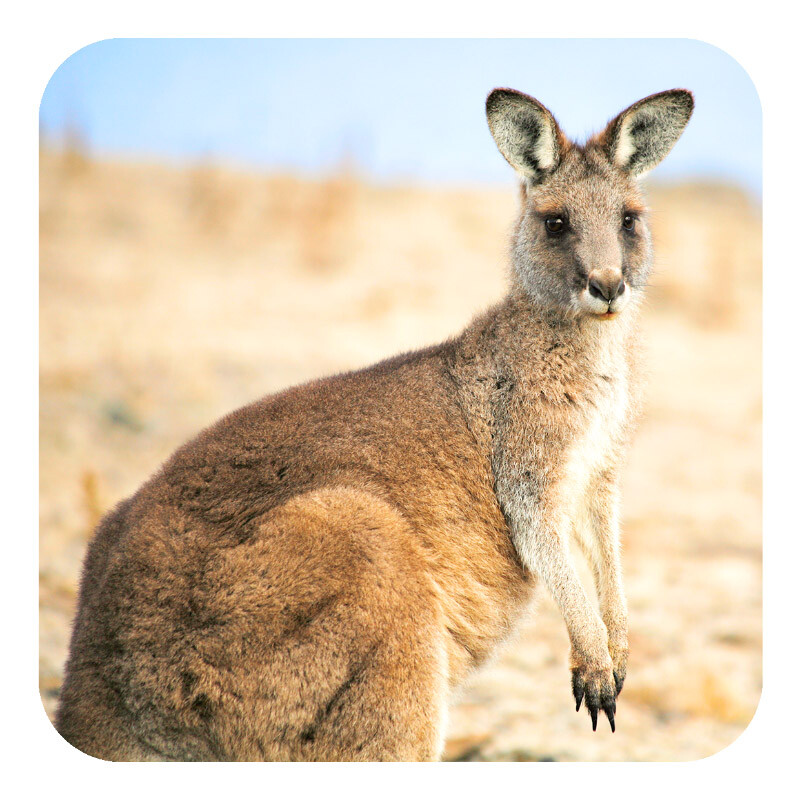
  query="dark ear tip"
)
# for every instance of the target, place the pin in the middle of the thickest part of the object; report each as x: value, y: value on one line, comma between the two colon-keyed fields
x: 504, y: 96
x: 498, y: 96
x: 687, y: 95
x: 493, y: 98
x: 684, y: 98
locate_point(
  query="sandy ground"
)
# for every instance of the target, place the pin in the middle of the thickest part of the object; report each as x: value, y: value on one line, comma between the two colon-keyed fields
x: 171, y: 296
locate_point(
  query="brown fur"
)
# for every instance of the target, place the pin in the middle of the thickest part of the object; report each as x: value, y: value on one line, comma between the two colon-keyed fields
x: 313, y: 576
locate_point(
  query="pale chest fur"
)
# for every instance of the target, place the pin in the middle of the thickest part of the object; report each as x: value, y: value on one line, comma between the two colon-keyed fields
x: 596, y: 449
x: 597, y: 445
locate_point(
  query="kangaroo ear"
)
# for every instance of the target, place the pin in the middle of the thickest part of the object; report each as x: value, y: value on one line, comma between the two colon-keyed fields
x: 642, y: 135
x: 525, y: 132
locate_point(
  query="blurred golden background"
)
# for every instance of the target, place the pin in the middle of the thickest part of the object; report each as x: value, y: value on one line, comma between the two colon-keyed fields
x: 172, y: 295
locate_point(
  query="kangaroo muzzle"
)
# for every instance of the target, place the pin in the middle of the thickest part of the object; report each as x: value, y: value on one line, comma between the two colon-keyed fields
x: 606, y: 287
x: 606, y: 292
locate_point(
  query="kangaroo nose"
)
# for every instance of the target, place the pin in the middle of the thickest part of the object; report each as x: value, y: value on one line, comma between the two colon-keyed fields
x: 606, y: 290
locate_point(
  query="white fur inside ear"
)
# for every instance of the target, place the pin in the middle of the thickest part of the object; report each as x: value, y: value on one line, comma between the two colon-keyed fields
x: 545, y: 149
x: 624, y: 147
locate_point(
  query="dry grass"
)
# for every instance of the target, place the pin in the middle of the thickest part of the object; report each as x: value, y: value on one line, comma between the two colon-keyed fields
x: 169, y: 297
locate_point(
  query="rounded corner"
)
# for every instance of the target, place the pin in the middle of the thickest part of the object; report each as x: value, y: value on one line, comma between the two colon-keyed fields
x: 61, y: 65
x: 737, y: 63
x: 737, y: 737
x: 55, y: 735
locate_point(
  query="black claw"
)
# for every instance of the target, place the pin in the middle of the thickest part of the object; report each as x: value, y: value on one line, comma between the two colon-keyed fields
x: 609, y: 705
x: 577, y: 689
x: 618, y: 682
x: 592, y: 698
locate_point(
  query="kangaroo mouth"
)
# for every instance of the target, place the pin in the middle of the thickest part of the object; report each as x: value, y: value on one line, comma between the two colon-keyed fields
x: 601, y: 308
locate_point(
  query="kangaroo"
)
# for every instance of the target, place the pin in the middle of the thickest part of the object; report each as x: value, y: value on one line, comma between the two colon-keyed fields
x: 313, y: 576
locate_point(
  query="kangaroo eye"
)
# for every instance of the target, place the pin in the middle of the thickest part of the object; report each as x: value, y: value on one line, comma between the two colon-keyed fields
x: 554, y: 224
x: 629, y: 222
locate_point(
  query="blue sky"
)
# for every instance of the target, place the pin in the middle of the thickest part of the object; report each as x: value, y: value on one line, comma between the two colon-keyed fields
x: 399, y: 108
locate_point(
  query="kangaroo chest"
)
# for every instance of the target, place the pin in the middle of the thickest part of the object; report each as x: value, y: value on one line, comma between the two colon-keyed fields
x: 598, y: 438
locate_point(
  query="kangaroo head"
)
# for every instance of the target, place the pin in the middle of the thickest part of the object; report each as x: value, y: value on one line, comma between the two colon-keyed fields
x: 582, y: 244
